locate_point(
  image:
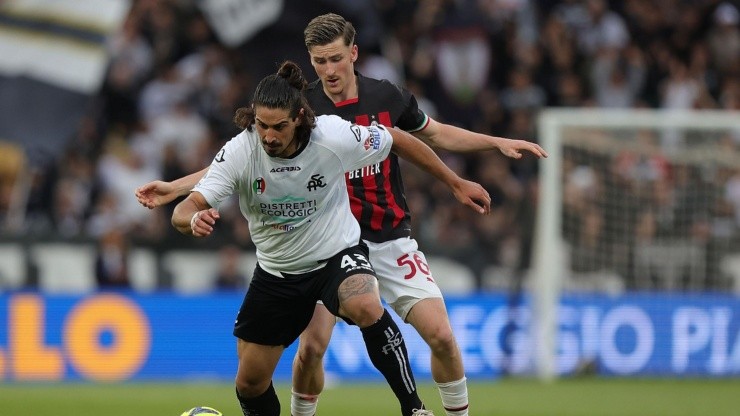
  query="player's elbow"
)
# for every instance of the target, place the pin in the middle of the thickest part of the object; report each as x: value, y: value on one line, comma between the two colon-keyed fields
x: 180, y: 228
x: 179, y: 222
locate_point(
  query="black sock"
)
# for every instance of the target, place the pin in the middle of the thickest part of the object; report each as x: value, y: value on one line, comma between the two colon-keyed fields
x: 266, y: 404
x: 387, y: 350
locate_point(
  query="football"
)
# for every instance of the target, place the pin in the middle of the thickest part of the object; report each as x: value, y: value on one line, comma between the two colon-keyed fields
x: 201, y: 410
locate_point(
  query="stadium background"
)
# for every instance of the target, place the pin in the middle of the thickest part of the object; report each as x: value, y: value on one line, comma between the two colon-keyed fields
x: 96, y: 288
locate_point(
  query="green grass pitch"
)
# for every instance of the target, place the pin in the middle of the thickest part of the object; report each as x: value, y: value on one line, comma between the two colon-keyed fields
x: 509, y: 397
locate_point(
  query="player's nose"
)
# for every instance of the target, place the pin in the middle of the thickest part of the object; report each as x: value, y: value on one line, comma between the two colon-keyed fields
x: 331, y: 69
x: 269, y: 139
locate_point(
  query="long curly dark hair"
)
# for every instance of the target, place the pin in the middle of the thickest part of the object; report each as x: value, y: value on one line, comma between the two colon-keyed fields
x: 282, y: 90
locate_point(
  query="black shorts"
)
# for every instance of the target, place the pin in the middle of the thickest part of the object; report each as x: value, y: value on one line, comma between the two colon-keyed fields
x: 276, y: 309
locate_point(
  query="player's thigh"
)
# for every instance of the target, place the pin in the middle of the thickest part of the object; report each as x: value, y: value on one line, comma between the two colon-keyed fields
x: 315, y: 338
x: 350, y: 266
x: 351, y: 289
x: 403, y: 274
x: 359, y: 299
x: 429, y: 318
x: 275, y: 310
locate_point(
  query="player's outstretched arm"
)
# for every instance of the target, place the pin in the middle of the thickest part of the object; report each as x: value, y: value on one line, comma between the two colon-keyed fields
x: 157, y: 193
x: 456, y: 139
x: 416, y: 152
x: 194, y: 216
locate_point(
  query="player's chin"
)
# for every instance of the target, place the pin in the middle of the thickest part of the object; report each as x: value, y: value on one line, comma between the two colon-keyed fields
x: 334, y: 86
x: 272, y: 151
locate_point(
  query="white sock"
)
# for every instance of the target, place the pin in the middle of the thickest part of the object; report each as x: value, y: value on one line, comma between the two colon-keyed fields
x: 454, y: 397
x: 303, y: 404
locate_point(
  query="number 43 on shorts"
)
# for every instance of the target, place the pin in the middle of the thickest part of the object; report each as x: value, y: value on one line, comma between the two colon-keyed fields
x: 360, y: 262
x: 416, y: 265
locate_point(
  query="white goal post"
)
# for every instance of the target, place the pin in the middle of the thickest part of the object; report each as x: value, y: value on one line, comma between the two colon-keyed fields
x: 556, y: 127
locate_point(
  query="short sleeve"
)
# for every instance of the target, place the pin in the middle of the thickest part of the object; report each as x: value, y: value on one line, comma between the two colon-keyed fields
x: 357, y: 146
x: 222, y: 178
x: 412, y: 119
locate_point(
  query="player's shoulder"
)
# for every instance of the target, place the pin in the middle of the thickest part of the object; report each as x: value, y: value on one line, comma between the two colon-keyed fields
x: 243, y: 144
x: 381, y: 87
x: 332, y: 131
x: 329, y: 125
x: 313, y: 88
x: 245, y: 138
x: 329, y: 120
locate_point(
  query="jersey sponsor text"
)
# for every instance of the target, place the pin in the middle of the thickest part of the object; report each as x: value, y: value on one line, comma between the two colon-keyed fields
x: 370, y: 170
x: 288, y: 209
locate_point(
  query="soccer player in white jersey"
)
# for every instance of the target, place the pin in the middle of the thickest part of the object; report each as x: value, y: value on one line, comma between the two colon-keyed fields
x: 381, y: 210
x: 288, y: 169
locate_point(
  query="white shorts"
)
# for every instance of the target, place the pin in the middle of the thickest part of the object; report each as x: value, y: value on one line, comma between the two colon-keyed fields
x: 403, y: 274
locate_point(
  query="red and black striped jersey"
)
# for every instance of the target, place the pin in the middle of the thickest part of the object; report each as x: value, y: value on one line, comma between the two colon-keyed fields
x: 376, y: 192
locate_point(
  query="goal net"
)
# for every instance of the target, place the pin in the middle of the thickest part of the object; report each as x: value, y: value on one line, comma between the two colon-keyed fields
x: 633, y: 201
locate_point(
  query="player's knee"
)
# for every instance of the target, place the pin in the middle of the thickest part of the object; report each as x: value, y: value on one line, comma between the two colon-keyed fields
x: 249, y: 387
x: 311, y: 351
x: 441, y: 341
x: 364, y: 310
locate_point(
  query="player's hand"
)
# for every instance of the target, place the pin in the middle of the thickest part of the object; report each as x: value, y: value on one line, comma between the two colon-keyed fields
x: 155, y: 194
x: 514, y: 148
x: 203, y: 221
x: 473, y: 195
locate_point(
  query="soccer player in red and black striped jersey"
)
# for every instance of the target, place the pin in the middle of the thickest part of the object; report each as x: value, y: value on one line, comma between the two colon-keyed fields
x: 377, y: 201
x: 376, y: 191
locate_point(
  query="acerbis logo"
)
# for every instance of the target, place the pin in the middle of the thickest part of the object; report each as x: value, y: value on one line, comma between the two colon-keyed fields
x: 285, y: 169
x: 356, y: 131
x: 220, y: 156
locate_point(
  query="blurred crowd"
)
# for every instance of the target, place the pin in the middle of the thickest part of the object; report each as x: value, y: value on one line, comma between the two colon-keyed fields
x: 487, y: 65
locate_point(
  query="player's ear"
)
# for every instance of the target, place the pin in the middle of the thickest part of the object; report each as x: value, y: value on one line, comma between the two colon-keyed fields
x: 301, y: 115
x: 353, y: 53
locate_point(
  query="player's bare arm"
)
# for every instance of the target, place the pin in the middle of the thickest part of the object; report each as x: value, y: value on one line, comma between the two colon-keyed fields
x: 157, y: 193
x: 415, y: 151
x: 194, y: 216
x: 456, y: 139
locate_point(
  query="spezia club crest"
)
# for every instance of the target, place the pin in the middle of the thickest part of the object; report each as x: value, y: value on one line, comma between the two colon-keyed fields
x: 258, y: 186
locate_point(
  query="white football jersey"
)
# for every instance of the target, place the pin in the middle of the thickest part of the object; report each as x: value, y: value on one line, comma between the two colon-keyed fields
x: 298, y: 209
